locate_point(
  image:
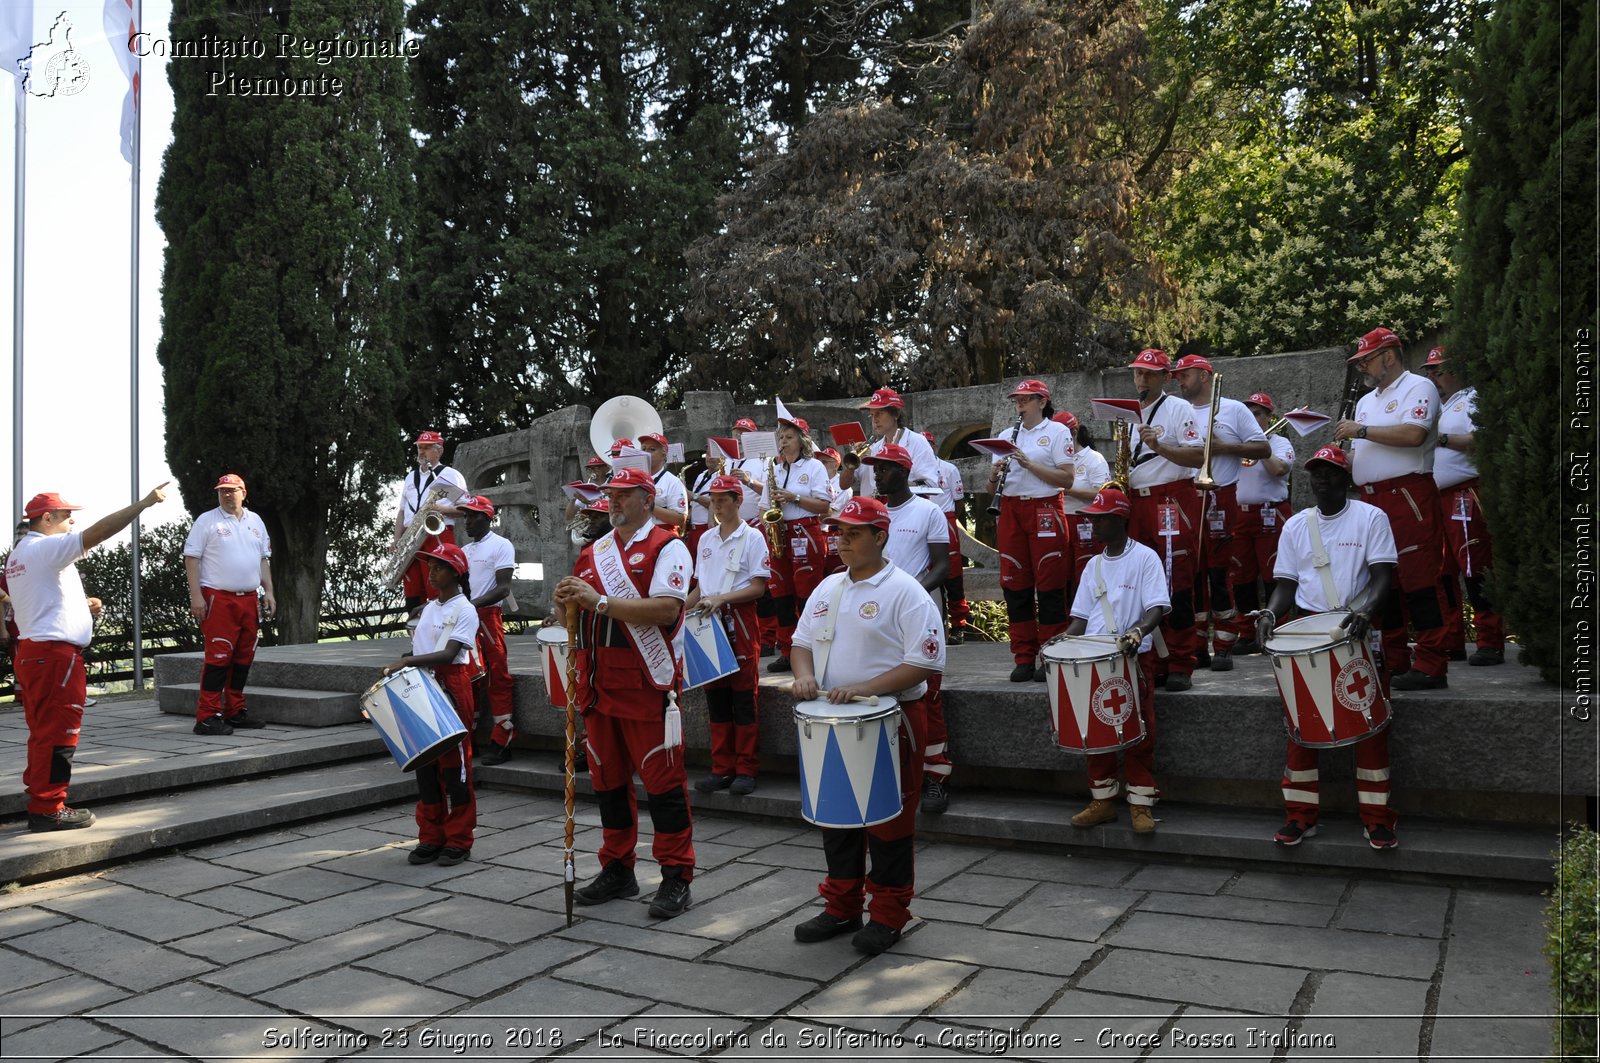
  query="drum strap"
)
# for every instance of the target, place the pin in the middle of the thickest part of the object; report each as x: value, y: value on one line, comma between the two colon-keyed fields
x: 1321, y: 562
x: 824, y: 639
x: 452, y: 613
x: 1159, y: 643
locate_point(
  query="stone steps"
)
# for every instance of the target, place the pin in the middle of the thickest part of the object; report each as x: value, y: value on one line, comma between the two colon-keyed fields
x: 282, y: 705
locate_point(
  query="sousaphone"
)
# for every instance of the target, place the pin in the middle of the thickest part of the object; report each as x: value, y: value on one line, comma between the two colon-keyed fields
x: 621, y: 417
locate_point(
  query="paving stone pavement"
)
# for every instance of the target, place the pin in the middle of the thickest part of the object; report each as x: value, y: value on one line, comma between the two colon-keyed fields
x: 322, y: 942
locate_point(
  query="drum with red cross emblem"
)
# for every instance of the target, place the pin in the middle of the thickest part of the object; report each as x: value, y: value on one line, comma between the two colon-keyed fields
x: 1094, y: 694
x: 1328, y: 681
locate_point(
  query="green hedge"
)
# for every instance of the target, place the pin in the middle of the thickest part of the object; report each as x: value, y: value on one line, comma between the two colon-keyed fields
x: 1573, y: 947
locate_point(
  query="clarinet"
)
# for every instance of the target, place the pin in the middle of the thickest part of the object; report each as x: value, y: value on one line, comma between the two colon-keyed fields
x: 1005, y: 470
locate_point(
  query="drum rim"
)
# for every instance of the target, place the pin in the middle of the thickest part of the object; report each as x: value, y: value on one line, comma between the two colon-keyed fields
x: 878, y: 712
x: 1266, y: 647
x: 1343, y: 742
x: 1110, y: 641
x: 559, y: 636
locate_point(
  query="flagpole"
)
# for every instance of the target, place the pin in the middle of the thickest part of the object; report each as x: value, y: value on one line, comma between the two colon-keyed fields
x: 133, y: 368
x: 20, y: 214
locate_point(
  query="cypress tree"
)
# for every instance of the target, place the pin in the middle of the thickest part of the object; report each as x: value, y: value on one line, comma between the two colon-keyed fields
x: 1525, y: 289
x: 286, y: 218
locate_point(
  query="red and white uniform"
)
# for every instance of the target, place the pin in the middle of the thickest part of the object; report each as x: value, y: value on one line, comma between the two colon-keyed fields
x: 1164, y: 500
x: 231, y: 551
x: 1354, y: 539
x: 486, y: 558
x: 1090, y: 470
x: 53, y: 622
x: 1220, y: 542
x: 726, y: 565
x: 924, y: 462
x: 1399, y: 481
x: 1035, y: 549
x: 882, y: 622
x: 952, y: 491
x: 699, y: 515
x: 1263, y: 509
x: 413, y: 489
x: 796, y: 573
x: 447, y: 808
x: 913, y: 527
x: 624, y: 711
x: 670, y: 492
x: 1133, y: 582
x: 1468, y: 546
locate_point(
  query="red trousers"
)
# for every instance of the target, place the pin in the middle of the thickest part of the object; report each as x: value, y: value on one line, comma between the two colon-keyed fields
x: 1177, y: 627
x: 1412, y: 505
x: 693, y: 539
x: 733, y: 700
x: 955, y: 588
x: 891, y: 845
x: 493, y: 691
x: 1139, y: 759
x: 1302, y: 784
x: 1035, y: 562
x: 414, y: 584
x: 617, y: 748
x: 1257, y: 552
x: 1468, y: 556
x: 796, y: 574
x: 447, y: 807
x: 230, y: 630
x: 51, y: 683
x: 1084, y: 544
x: 1219, y: 553
x: 936, y: 752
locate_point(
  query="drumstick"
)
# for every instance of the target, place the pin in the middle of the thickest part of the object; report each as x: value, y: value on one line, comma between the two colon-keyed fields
x: 569, y: 868
x: 868, y: 699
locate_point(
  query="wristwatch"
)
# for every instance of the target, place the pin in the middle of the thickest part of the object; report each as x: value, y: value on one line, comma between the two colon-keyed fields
x: 602, y: 605
x: 1444, y: 440
x: 1361, y: 433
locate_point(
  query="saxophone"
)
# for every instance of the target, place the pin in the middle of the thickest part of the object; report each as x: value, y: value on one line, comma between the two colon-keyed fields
x: 772, y: 518
x: 427, y: 521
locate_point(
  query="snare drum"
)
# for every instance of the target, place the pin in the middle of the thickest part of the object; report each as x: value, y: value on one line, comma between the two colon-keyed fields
x: 553, y: 659
x: 1094, y: 694
x: 706, y: 651
x: 849, y: 762
x: 414, y: 717
x: 1328, y: 682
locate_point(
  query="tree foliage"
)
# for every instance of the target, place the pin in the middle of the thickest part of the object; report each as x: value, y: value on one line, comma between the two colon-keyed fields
x: 1526, y: 286
x: 977, y: 224
x: 287, y: 222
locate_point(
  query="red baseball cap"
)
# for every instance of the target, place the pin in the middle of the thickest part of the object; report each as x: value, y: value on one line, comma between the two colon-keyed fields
x: 1373, y: 342
x: 618, y: 444
x: 450, y: 554
x: 829, y: 453
x: 596, y: 462
x: 1330, y: 455
x: 1262, y: 399
x: 430, y: 437
x: 745, y: 424
x: 895, y: 453
x: 1066, y: 418
x: 1435, y: 357
x: 229, y: 479
x: 599, y: 505
x: 477, y: 504
x: 47, y: 502
x: 1110, y: 502
x: 654, y: 437
x: 868, y: 511
x: 1151, y: 358
x: 1192, y: 361
x: 928, y: 436
x: 798, y: 422
x: 726, y: 485
x: 884, y: 399
x: 1031, y: 387
x: 632, y: 478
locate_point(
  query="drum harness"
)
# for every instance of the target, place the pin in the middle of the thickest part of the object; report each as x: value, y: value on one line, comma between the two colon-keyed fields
x: 1158, y: 643
x: 824, y: 640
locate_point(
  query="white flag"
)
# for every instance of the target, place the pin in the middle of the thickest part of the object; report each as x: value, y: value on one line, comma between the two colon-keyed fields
x: 122, y: 25
x: 16, y: 37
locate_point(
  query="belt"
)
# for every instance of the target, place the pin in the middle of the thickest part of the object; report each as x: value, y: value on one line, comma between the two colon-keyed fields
x: 1029, y: 498
x: 1394, y: 483
x: 236, y: 594
x: 1146, y: 492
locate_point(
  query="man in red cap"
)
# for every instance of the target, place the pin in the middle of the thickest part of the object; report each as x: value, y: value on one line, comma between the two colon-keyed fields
x: 1263, y: 508
x: 1166, y: 506
x: 414, y: 491
x: 1391, y: 460
x: 1035, y: 550
x: 888, y: 412
x: 731, y: 573
x: 672, y: 498
x: 1338, y: 555
x: 630, y: 585
x: 491, y: 560
x: 226, y: 559
x: 870, y: 630
x: 1468, y: 548
x: 1123, y: 593
x: 54, y: 624
x: 1235, y: 436
x: 958, y: 613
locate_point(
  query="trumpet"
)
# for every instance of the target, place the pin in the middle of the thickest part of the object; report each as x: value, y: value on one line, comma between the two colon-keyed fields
x: 1275, y: 427
x: 772, y: 517
x: 852, y: 457
x: 1204, y: 481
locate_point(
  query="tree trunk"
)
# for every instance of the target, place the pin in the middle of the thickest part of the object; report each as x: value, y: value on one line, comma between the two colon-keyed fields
x: 299, y: 561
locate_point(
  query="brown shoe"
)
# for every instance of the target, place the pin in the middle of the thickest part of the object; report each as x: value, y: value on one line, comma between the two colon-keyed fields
x: 1100, y: 810
x: 1143, y: 822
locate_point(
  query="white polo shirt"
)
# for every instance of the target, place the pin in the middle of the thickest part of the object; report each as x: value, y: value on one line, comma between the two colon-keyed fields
x: 1451, y: 467
x: 1256, y: 482
x: 699, y: 515
x: 486, y: 557
x: 674, y: 566
x: 884, y: 621
x: 415, y: 486
x: 1173, y: 420
x: 1357, y: 536
x: 951, y: 489
x: 46, y: 594
x: 1134, y: 582
x: 1089, y: 470
x: 750, y: 505
x: 911, y: 528
x: 924, y: 462
x: 230, y: 549
x: 443, y: 621
x: 670, y: 491
x: 807, y: 478
x: 1411, y: 399
x: 1235, y: 424
x: 744, y: 552
x: 1047, y: 443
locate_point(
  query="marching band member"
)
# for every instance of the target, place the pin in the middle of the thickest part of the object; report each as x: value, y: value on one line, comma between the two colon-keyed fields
x: 951, y: 492
x: 1468, y: 549
x: 595, y: 471
x: 730, y: 574
x: 1392, y: 462
x: 870, y: 630
x: 919, y: 545
x: 227, y: 559
x: 830, y: 461
x: 672, y: 498
x: 700, y: 501
x: 447, y: 631
x: 1263, y: 508
x: 430, y: 469
x: 491, y: 559
x: 802, y: 491
x: 888, y: 412
x: 1124, y: 593
x: 1166, y: 506
x: 631, y: 584
x: 55, y: 621
x: 752, y: 473
x: 1035, y: 553
x: 1090, y: 472
x: 1338, y: 555
x: 1236, y: 437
